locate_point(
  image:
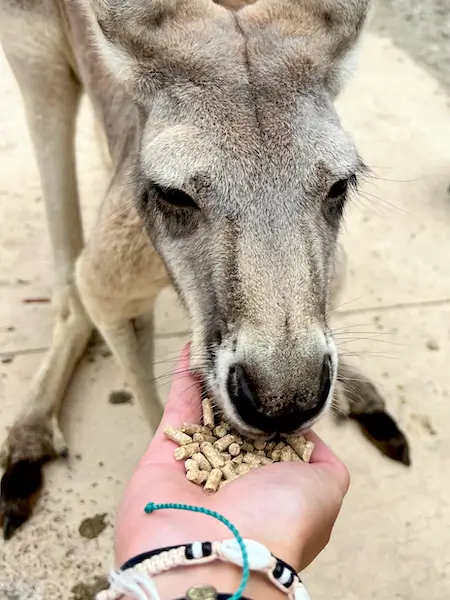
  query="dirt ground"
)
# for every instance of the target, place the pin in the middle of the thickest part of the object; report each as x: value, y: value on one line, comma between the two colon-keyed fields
x: 392, y: 539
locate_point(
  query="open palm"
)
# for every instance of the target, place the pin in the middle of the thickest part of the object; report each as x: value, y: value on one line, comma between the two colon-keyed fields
x: 289, y: 507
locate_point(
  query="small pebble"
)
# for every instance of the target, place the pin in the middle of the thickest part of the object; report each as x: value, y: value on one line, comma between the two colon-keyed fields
x: 120, y: 397
x: 433, y: 345
x: 92, y: 527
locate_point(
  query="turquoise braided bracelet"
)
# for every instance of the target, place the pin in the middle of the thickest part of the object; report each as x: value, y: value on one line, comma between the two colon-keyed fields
x: 152, y: 507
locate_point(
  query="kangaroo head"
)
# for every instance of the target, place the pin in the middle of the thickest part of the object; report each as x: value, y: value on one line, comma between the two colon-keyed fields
x: 242, y: 179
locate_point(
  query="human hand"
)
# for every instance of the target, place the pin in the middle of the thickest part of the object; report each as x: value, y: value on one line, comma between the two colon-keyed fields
x: 289, y: 507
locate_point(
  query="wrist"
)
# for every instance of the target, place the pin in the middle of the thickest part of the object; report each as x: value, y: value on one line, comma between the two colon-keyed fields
x: 176, y: 529
x: 168, y: 529
x: 224, y: 577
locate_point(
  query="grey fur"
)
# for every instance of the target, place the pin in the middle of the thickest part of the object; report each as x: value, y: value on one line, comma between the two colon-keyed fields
x: 240, y: 116
x: 234, y: 108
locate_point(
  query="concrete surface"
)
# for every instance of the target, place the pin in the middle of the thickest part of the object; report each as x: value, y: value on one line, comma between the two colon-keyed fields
x: 392, y: 540
x: 422, y: 27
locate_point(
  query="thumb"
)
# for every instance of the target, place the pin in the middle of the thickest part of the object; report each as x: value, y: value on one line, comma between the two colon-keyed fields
x: 183, y: 406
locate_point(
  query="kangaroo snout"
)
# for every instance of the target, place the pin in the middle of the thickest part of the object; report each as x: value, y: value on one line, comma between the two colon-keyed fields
x: 276, y: 387
x: 286, y: 415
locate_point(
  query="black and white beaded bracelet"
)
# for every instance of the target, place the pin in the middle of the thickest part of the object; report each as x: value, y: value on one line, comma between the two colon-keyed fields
x: 135, y: 576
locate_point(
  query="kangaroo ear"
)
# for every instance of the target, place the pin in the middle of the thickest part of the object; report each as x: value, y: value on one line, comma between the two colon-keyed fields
x: 325, y: 32
x: 127, y: 33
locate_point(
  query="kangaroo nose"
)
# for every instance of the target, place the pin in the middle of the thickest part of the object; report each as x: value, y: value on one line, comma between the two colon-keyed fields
x: 294, y: 412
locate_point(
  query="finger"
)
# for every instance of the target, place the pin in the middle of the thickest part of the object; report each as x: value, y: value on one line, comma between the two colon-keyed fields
x: 183, y: 406
x: 184, y: 400
x: 322, y: 453
x: 322, y: 456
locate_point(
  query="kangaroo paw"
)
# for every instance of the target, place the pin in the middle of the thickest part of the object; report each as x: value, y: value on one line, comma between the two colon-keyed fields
x: 381, y: 429
x: 30, y: 444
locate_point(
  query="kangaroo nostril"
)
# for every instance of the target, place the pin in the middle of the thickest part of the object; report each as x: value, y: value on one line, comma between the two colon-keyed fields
x: 240, y: 387
x: 216, y: 337
x: 278, y: 413
x: 325, y: 380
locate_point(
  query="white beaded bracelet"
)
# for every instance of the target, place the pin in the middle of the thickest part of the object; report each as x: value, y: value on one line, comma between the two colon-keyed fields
x: 137, y: 580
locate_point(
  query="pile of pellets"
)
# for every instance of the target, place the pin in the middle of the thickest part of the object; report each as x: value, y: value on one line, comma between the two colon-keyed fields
x: 214, y: 456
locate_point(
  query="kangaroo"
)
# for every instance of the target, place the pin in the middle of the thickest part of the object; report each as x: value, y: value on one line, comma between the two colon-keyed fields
x: 230, y: 173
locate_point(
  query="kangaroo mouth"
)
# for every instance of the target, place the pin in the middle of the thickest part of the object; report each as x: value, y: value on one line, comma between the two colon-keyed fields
x: 262, y: 397
x: 297, y: 423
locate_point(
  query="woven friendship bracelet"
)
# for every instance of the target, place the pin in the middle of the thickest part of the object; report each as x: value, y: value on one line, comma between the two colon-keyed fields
x: 198, y: 553
x: 248, y: 554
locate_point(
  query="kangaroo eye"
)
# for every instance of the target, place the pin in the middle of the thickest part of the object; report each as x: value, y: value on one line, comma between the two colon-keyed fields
x: 340, y: 188
x: 176, y: 197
